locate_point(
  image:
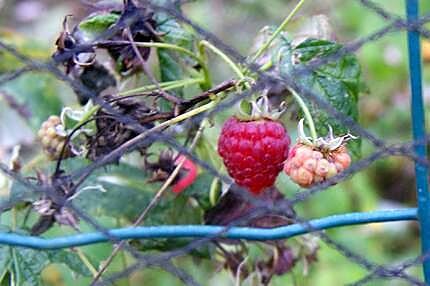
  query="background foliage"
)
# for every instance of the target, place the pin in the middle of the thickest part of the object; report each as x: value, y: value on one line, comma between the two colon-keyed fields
x: 384, y: 110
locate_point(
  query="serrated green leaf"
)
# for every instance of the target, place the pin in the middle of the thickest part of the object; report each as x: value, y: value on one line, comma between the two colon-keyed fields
x: 98, y: 23
x: 169, y: 67
x: 30, y: 263
x: 313, y: 48
x: 338, y: 81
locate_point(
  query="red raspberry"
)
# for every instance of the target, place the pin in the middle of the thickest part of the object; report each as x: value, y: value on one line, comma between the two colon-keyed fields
x: 253, y: 151
x: 188, y: 178
x: 307, y: 165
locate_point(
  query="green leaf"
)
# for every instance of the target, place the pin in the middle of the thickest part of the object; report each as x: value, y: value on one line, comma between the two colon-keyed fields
x: 70, y: 259
x: 98, y: 23
x: 127, y: 190
x: 338, y: 81
x: 5, y: 260
x: 312, y: 48
x: 199, y: 190
x: 246, y: 107
x: 170, y: 62
x: 30, y: 263
x: 128, y: 193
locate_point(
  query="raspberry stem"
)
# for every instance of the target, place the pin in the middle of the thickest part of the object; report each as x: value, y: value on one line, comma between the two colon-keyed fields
x: 168, y: 85
x: 207, y: 79
x: 172, y: 47
x: 199, y: 58
x: 307, y: 114
x: 223, y: 56
x: 281, y: 27
x: 86, y: 261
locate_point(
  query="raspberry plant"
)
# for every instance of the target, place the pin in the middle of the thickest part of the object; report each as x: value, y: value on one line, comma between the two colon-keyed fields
x: 124, y: 103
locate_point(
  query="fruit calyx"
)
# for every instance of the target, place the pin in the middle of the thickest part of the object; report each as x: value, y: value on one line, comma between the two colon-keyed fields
x: 258, y: 109
x: 324, y: 144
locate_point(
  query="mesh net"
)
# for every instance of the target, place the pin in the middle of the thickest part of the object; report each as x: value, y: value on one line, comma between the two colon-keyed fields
x: 144, y: 134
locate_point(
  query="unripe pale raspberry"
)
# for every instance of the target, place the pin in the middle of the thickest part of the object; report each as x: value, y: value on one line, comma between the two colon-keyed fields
x: 52, y: 141
x: 343, y: 159
x: 302, y: 153
x: 339, y: 167
x: 318, y: 179
x: 304, y: 177
x: 332, y: 170
x: 322, y: 167
x: 317, y: 155
x: 288, y: 166
x: 308, y: 165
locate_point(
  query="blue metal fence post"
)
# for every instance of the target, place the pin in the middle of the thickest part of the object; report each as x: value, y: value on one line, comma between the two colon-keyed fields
x: 419, y: 134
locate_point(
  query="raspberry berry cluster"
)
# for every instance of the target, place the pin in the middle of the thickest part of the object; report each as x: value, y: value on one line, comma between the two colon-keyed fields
x: 253, y: 151
x: 314, y: 162
x: 53, y: 137
x: 307, y: 165
x: 254, y: 147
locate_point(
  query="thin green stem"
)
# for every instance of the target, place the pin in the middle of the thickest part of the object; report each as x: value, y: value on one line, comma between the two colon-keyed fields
x: 142, y: 135
x: 88, y: 115
x: 224, y: 57
x: 267, y: 66
x: 14, y: 219
x: 34, y: 162
x: 206, y: 74
x: 189, y: 53
x: 168, y: 85
x: 165, y: 85
x: 307, y: 114
x: 125, y: 265
x: 281, y: 27
x: 170, y: 47
x: 86, y: 261
x: 187, y: 115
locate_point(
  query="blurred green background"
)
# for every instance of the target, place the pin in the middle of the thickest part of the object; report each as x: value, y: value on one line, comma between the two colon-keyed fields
x: 34, y: 25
